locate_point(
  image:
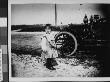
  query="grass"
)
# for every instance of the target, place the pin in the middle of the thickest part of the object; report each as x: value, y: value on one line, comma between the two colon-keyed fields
x: 26, y: 43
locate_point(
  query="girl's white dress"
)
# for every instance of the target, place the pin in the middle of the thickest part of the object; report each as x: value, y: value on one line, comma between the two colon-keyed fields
x: 47, y: 42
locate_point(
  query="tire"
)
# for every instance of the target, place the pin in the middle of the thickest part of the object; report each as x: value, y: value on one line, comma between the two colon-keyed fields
x: 66, y: 43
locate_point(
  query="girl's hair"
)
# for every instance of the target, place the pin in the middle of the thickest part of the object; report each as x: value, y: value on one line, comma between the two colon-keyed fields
x: 48, y: 26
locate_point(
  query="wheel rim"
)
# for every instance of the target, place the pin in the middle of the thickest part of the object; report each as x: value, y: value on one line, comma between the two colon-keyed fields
x: 66, y: 43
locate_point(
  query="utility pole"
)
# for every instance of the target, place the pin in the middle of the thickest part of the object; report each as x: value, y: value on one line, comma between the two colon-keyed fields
x: 55, y: 15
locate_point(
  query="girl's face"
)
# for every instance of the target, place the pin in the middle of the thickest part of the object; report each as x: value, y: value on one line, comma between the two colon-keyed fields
x: 48, y: 30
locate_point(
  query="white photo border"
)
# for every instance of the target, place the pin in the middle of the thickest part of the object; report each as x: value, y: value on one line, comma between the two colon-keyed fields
x: 10, y: 2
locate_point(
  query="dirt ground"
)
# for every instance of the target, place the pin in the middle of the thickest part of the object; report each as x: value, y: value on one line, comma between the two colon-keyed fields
x: 28, y: 66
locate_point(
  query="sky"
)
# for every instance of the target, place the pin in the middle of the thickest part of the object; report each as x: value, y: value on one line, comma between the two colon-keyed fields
x: 45, y: 13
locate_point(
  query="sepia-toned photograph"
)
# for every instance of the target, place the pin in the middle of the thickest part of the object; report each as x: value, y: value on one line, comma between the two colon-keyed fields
x: 60, y: 40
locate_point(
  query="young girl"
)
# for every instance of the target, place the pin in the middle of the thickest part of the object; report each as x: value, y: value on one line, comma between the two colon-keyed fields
x: 49, y: 52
